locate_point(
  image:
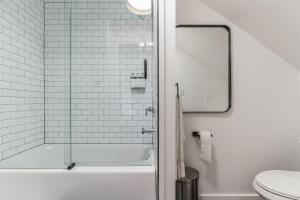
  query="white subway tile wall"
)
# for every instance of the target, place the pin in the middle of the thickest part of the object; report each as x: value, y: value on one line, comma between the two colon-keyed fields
x: 108, y: 44
x: 21, y: 76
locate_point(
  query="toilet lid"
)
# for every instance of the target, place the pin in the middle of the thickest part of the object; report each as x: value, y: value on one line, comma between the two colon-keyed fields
x: 283, y: 183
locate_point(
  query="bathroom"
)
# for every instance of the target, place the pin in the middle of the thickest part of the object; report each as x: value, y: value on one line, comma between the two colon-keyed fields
x: 94, y: 104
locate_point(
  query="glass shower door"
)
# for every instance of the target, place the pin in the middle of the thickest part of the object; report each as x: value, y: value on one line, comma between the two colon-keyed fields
x: 111, y: 56
x: 68, y: 87
x: 58, y: 83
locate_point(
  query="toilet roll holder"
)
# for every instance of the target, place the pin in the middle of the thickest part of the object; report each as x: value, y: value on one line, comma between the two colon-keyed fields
x: 197, y: 134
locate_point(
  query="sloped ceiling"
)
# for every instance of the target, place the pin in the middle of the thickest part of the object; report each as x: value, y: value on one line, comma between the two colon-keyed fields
x: 275, y: 23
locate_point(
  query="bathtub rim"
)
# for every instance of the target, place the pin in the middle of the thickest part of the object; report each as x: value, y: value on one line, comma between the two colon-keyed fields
x: 147, y: 161
x: 85, y: 169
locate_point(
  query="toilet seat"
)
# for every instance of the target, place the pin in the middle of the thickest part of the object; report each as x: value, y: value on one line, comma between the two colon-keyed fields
x: 278, y: 185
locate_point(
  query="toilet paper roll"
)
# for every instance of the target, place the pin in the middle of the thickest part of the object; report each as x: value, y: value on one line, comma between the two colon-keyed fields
x: 206, y: 146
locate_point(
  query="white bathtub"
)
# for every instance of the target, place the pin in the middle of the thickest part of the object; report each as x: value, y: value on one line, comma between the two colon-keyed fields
x: 116, y: 180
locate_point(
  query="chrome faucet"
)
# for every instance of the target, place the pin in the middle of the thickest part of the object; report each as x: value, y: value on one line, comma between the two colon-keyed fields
x: 149, y: 109
x: 148, y: 130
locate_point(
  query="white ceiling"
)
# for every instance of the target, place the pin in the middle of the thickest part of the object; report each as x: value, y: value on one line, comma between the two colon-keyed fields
x: 275, y: 23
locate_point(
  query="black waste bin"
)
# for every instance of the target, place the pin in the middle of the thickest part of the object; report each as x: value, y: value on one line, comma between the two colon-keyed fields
x: 187, y: 187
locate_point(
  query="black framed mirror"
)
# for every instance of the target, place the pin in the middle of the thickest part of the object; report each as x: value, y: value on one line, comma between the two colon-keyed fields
x: 203, y: 67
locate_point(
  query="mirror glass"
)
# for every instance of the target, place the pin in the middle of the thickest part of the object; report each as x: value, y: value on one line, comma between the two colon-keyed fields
x: 203, y: 67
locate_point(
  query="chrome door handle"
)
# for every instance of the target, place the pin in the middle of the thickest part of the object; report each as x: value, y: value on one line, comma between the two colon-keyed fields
x: 148, y: 130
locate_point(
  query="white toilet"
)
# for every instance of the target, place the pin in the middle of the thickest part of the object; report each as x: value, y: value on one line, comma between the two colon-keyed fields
x: 278, y: 185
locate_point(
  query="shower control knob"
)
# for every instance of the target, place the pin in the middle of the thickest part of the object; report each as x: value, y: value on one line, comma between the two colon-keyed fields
x: 149, y: 109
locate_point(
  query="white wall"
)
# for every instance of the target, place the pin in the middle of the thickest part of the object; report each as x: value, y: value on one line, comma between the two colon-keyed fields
x: 21, y: 76
x: 281, y: 20
x: 261, y: 130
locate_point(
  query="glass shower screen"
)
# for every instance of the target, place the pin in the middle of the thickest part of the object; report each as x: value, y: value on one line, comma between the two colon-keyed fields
x: 111, y: 56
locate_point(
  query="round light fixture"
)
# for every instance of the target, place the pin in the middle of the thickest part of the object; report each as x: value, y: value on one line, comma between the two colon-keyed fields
x: 139, y: 7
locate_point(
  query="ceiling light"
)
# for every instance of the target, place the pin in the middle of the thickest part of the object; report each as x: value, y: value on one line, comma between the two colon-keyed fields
x: 139, y: 7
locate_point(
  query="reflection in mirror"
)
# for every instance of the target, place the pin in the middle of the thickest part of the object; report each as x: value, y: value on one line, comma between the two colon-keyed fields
x: 203, y: 67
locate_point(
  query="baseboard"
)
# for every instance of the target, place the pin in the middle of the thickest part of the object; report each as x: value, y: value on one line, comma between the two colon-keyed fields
x: 229, y: 197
